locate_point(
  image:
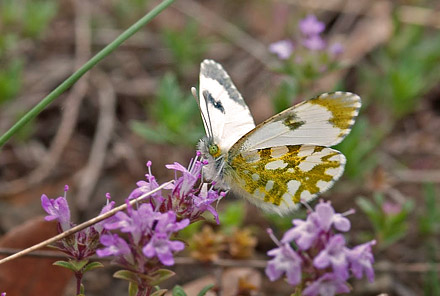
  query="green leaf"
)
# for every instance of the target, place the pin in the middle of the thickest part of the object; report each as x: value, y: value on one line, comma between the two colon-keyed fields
x: 429, y: 222
x: 37, y: 16
x: 10, y: 79
x: 149, y: 133
x: 79, y: 265
x: 64, y: 264
x: 160, y: 292
x: 178, y: 291
x: 72, y: 264
x: 132, y: 289
x: 358, y: 148
x: 92, y: 266
x: 432, y: 284
x: 127, y: 275
x: 205, y: 290
x: 388, y: 227
x: 366, y: 206
x: 374, y: 213
x: 160, y: 276
x: 175, y: 115
x: 186, y: 46
x: 403, y: 70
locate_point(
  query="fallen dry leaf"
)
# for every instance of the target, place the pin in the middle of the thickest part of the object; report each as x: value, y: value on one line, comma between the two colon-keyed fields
x: 30, y: 275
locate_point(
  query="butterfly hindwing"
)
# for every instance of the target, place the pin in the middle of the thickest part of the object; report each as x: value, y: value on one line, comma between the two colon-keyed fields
x: 222, y: 106
x: 324, y: 120
x: 278, y: 178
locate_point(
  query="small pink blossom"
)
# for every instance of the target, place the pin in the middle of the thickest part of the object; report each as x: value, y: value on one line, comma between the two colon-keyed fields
x: 391, y: 208
x: 327, y: 285
x: 310, y: 26
x: 314, y: 42
x: 283, y: 49
x: 287, y: 261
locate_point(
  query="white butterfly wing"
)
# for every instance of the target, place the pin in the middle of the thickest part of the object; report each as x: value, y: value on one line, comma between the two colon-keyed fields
x: 224, y: 112
x: 324, y: 120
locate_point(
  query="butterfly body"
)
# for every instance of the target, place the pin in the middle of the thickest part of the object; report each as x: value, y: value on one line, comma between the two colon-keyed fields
x: 282, y: 161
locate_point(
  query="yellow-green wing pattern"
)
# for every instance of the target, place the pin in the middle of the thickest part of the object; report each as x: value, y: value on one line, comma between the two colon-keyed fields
x: 278, y: 178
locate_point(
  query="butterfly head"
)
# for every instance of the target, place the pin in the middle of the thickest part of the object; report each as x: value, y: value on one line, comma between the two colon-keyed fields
x: 215, y: 162
x: 209, y: 149
x: 214, y: 150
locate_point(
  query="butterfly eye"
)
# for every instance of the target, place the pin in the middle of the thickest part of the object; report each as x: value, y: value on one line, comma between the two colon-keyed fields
x: 214, y: 150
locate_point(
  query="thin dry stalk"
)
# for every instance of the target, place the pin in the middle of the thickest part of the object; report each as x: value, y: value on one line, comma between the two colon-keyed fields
x: 106, y: 123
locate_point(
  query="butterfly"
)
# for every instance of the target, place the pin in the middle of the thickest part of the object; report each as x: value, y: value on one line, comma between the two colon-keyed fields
x: 281, y: 162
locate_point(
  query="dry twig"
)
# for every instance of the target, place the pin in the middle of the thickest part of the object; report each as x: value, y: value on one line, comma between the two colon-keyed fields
x: 75, y: 98
x: 381, y: 266
x: 106, y: 122
x: 417, y: 176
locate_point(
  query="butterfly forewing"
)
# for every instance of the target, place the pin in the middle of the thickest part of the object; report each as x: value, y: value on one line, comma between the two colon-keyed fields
x: 324, y: 120
x: 278, y: 178
x: 222, y: 106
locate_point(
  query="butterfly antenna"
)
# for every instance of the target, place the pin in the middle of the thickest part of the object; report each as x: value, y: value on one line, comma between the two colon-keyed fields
x: 206, y: 122
x: 209, y: 119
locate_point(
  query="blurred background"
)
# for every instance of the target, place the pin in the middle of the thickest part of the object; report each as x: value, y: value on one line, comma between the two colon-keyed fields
x: 136, y: 106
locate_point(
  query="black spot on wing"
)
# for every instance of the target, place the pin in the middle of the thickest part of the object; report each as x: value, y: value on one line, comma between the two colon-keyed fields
x: 293, y: 122
x: 216, y: 72
x: 217, y: 104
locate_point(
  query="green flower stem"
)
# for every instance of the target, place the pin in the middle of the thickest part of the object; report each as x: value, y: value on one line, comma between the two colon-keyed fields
x: 81, y: 71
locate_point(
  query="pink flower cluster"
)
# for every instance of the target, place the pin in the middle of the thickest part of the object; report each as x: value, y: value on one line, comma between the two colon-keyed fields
x: 149, y: 234
x: 142, y: 238
x: 320, y: 253
x: 150, y: 228
x: 81, y: 244
x: 311, y: 39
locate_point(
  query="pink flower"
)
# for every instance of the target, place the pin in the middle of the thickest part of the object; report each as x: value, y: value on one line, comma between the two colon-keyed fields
x: 326, y: 217
x: 287, y: 261
x: 314, y: 42
x: 81, y: 244
x: 391, y: 208
x: 304, y: 233
x: 333, y: 255
x: 58, y: 209
x: 320, y: 254
x: 283, y: 49
x: 327, y: 285
x: 336, y: 49
x: 115, y: 245
x: 361, y: 260
x: 160, y: 246
x: 310, y: 26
